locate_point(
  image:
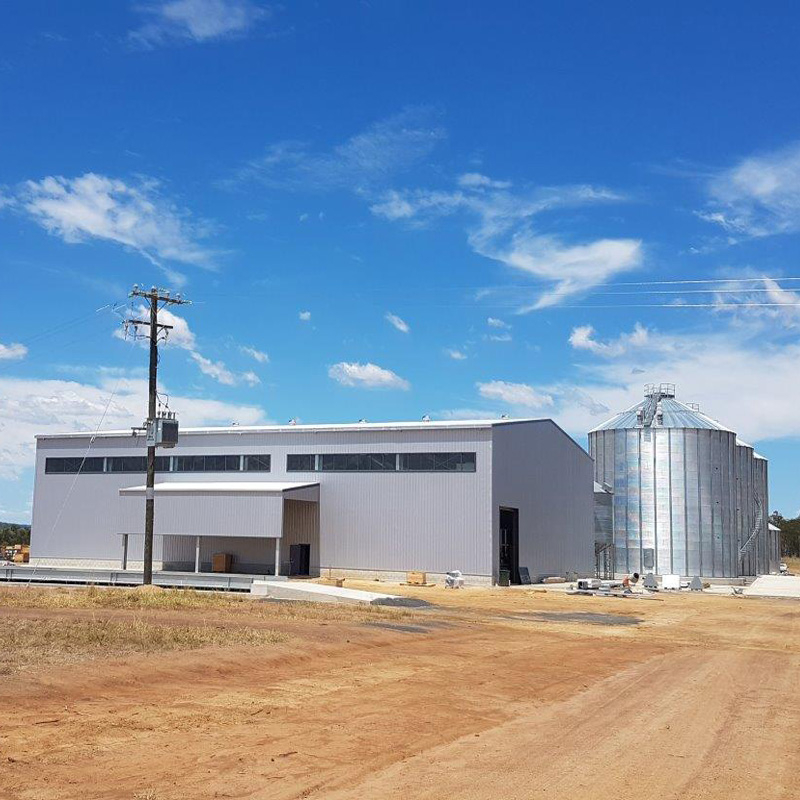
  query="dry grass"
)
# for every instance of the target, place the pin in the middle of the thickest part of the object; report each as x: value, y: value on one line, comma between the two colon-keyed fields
x: 135, y: 599
x: 25, y: 643
x: 221, y: 605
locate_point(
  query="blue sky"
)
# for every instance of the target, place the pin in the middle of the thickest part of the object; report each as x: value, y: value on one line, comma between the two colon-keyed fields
x: 382, y: 210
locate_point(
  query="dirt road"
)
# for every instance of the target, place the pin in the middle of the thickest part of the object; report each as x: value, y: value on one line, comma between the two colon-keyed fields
x: 495, y: 695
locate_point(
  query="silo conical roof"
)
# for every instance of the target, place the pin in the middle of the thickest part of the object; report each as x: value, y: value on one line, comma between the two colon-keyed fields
x: 660, y: 409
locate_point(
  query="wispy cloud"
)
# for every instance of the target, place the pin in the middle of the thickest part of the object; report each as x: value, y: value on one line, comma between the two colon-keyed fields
x: 748, y: 305
x: 397, y: 322
x: 366, y: 376
x: 12, y: 352
x: 706, y: 365
x: 134, y: 215
x: 456, y: 355
x: 515, y: 395
x: 361, y: 163
x: 583, y: 338
x: 220, y: 373
x: 494, y: 322
x: 181, y: 336
x: 474, y: 180
x: 304, y: 316
x: 500, y: 226
x: 29, y: 407
x: 258, y: 355
x: 196, y: 21
x: 759, y: 196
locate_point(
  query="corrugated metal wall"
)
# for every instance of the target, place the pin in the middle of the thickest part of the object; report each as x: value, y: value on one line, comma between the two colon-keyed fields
x: 683, y: 500
x: 204, y: 514
x: 548, y: 477
x: 393, y: 521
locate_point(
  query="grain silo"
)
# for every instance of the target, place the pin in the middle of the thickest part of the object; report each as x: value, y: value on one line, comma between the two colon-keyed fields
x: 689, y: 498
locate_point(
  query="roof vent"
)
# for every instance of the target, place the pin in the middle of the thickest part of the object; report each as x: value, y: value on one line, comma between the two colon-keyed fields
x: 659, y: 390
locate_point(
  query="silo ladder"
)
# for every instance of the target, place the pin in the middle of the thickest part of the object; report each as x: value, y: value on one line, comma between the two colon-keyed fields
x: 745, y: 548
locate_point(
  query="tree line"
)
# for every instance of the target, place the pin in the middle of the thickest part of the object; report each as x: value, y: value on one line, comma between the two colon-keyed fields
x: 790, y: 534
x: 11, y: 533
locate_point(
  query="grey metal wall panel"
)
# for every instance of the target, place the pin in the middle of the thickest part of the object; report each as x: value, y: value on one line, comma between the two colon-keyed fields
x: 204, y: 514
x: 538, y: 469
x: 371, y: 521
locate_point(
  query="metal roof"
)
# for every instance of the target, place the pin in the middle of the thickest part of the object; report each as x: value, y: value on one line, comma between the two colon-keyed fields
x: 674, y: 414
x: 216, y: 487
x: 452, y: 424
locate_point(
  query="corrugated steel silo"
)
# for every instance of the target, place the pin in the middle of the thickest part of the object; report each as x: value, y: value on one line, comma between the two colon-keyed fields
x: 673, y: 472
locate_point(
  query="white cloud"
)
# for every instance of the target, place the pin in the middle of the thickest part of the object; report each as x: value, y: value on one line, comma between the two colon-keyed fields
x: 732, y: 372
x: 494, y: 322
x: 197, y: 20
x: 515, y: 395
x: 500, y: 227
x: 572, y: 269
x: 583, y: 338
x: 258, y: 355
x: 474, y: 180
x: 12, y: 352
x: 498, y: 337
x: 759, y: 196
x: 304, y: 316
x: 365, y: 160
x: 397, y: 322
x: 183, y: 337
x: 30, y: 406
x: 218, y: 371
x: 367, y: 376
x: 742, y: 303
x: 456, y: 355
x: 137, y: 216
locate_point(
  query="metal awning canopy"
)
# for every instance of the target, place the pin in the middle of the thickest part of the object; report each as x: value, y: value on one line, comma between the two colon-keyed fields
x: 224, y: 487
x: 224, y: 508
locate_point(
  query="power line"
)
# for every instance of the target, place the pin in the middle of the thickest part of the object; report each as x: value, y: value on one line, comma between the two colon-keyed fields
x: 676, y: 305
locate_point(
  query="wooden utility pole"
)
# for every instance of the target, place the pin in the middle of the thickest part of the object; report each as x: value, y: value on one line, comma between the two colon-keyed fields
x: 153, y: 296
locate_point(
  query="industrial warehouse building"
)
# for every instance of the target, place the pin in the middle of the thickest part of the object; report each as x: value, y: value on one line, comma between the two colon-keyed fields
x: 688, y: 497
x: 366, y: 499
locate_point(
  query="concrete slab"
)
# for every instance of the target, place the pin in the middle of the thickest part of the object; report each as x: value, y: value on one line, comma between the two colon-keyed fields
x: 774, y: 586
x: 317, y: 593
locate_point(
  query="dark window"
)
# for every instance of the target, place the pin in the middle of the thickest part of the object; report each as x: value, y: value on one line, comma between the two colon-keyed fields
x: 208, y: 463
x: 215, y: 463
x: 437, y: 462
x: 261, y: 463
x: 358, y: 462
x: 135, y: 464
x: 380, y: 462
x: 127, y: 464
x: 299, y: 462
x: 71, y: 466
x: 190, y: 464
x: 92, y: 464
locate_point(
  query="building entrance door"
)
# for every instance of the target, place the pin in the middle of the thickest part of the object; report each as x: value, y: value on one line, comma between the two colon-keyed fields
x: 509, y: 543
x: 299, y: 559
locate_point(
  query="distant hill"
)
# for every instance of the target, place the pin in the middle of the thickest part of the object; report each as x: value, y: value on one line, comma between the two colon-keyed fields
x: 14, y: 533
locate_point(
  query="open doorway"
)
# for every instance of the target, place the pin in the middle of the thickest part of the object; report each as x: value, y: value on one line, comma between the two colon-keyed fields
x: 299, y: 559
x: 509, y: 543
